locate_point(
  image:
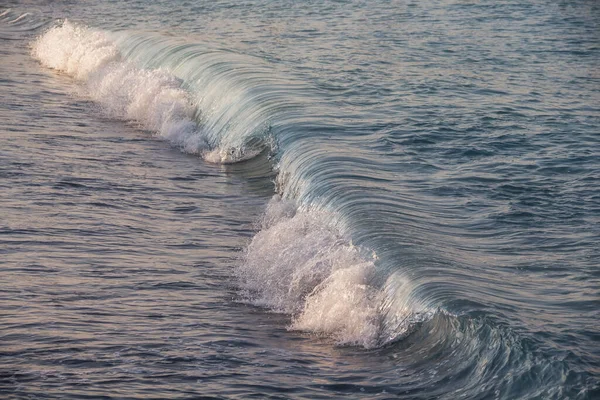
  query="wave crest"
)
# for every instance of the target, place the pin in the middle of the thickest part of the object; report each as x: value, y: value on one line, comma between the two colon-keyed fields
x: 301, y: 264
x: 154, y: 98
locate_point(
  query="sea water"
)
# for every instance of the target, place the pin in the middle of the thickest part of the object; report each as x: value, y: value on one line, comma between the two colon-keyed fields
x: 277, y: 199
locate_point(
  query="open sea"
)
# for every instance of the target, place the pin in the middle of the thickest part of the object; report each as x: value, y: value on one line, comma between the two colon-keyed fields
x: 279, y: 199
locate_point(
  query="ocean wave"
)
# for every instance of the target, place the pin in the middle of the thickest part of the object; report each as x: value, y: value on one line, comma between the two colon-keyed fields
x: 155, y: 98
x: 301, y: 264
x: 303, y: 261
x: 372, y: 239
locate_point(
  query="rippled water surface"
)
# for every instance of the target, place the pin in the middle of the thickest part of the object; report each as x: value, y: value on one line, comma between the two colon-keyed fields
x: 276, y: 199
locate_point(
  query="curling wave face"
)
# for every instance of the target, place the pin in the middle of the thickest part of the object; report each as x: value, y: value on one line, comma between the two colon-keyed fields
x: 194, y: 98
x: 214, y: 104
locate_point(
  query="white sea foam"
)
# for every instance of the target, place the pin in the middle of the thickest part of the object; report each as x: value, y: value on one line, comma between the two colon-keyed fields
x: 301, y: 264
x: 152, y: 98
x: 75, y: 50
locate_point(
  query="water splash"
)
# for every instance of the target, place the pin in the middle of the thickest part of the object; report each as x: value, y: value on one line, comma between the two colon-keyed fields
x: 301, y: 264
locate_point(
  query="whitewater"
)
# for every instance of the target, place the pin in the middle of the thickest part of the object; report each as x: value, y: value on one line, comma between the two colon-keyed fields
x: 401, y: 208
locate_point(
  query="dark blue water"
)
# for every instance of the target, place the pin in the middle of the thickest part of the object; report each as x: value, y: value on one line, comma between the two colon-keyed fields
x: 300, y: 200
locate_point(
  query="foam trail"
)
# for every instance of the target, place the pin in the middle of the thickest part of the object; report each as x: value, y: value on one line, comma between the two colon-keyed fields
x: 152, y: 98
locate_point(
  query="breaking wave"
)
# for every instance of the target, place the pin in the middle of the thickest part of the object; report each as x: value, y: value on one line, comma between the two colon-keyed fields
x: 336, y: 245
x: 210, y: 103
x: 198, y: 122
x: 301, y: 264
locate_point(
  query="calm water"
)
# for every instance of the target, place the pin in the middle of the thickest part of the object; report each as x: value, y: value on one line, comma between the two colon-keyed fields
x: 277, y: 199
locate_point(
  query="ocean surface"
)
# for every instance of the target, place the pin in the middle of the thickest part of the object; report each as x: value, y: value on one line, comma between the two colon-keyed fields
x: 300, y: 200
